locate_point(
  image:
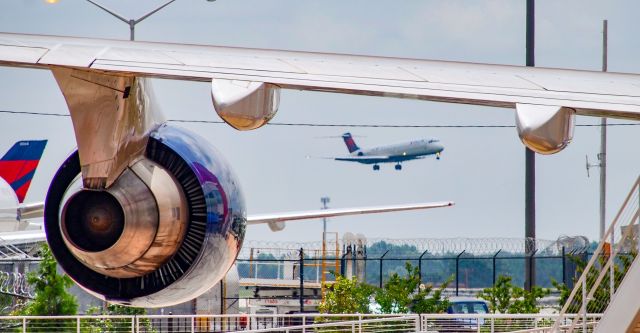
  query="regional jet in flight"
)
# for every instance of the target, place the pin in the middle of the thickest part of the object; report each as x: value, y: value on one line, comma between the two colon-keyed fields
x: 397, y: 153
x: 147, y: 214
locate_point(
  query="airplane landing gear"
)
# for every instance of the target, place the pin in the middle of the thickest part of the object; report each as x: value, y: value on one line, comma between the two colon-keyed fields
x: 437, y: 156
x: 398, y: 166
x: 376, y: 167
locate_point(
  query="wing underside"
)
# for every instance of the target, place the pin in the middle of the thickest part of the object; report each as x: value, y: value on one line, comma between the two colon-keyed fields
x: 588, y: 93
x: 315, y: 214
x: 246, y: 83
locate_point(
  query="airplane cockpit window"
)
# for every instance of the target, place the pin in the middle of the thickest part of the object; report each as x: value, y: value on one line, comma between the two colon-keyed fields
x: 433, y: 140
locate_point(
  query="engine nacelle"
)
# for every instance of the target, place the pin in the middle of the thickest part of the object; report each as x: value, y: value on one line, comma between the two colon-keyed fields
x: 166, y: 231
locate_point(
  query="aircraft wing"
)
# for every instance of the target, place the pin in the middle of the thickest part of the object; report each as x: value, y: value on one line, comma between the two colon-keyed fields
x: 377, y: 159
x: 365, y: 159
x: 276, y: 221
x: 587, y: 92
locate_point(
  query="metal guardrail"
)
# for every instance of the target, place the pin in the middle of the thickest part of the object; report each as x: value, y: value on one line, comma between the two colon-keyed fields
x: 310, y: 322
x: 398, y: 323
x: 497, y: 322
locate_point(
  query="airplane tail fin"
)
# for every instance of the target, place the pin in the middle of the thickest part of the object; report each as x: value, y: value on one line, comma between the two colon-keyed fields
x: 19, y: 165
x: 351, y: 144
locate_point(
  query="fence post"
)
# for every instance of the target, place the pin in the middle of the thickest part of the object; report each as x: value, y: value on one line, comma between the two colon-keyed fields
x: 532, y: 273
x: 78, y: 324
x: 381, y: 267
x: 494, y: 266
x: 24, y: 325
x: 564, y: 267
x: 420, y: 266
x: 458, y: 271
x: 301, y: 268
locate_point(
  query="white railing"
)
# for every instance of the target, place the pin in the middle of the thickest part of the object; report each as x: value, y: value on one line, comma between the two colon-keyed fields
x: 607, y: 267
x: 493, y: 323
x: 398, y: 323
x: 310, y: 322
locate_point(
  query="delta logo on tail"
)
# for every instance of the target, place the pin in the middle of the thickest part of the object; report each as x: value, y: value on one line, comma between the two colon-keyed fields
x: 19, y: 165
x: 351, y: 144
x: 396, y: 153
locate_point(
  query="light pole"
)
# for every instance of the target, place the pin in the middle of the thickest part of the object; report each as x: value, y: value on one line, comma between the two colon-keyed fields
x: 131, y: 22
x: 325, y: 201
x: 323, y: 265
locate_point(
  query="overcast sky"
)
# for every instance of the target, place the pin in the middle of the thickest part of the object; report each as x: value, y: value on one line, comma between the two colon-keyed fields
x: 481, y: 169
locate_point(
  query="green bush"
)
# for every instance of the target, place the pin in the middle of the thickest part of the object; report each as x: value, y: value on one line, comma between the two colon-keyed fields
x: 504, y: 297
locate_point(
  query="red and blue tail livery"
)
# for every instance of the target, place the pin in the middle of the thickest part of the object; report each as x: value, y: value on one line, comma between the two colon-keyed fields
x: 19, y: 165
x: 351, y: 144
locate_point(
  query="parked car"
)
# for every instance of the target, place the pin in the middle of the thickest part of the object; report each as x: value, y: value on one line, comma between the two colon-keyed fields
x: 463, y: 305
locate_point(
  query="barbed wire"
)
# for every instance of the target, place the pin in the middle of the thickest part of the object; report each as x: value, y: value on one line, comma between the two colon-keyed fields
x: 15, y: 284
x: 216, y: 122
x: 416, y: 246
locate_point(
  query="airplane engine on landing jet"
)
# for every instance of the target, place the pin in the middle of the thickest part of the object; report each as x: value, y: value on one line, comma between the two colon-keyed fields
x: 166, y: 231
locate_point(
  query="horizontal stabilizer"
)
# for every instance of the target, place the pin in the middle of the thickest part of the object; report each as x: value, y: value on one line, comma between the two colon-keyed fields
x: 31, y: 211
x: 17, y: 238
x: 314, y: 214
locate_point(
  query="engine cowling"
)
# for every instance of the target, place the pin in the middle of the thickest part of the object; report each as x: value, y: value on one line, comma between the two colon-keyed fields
x: 166, y: 231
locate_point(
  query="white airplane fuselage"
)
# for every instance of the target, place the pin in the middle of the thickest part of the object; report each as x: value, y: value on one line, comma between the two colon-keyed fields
x: 10, y: 214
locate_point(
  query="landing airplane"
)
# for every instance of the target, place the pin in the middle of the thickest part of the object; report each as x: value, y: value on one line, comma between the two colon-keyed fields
x: 17, y: 168
x: 157, y: 216
x: 396, y: 153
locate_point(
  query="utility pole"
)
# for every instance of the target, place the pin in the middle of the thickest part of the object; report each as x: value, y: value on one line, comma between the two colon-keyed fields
x: 530, y: 164
x: 603, y: 141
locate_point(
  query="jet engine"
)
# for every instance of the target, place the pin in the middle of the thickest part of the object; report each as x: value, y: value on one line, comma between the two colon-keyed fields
x: 165, y: 231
